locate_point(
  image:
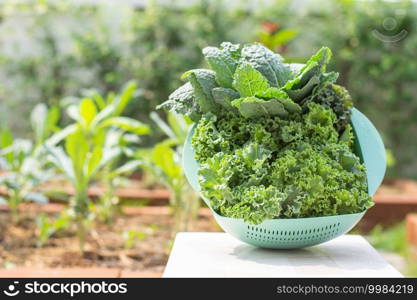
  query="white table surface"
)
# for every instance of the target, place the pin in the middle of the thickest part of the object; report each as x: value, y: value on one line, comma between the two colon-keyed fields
x: 196, y: 254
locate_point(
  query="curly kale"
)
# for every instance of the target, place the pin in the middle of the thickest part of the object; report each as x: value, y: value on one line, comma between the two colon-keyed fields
x: 276, y: 168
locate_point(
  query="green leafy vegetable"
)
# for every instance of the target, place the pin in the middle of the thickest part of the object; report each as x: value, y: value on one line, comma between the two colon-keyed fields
x: 268, y: 63
x: 338, y: 99
x: 291, y: 168
x: 223, y: 61
x: 251, y: 107
x: 182, y: 101
x: 273, y: 140
x: 309, y: 76
x: 224, y: 97
x: 250, y: 82
x: 202, y: 81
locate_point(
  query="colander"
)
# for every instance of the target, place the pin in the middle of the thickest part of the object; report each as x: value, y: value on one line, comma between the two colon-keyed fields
x: 301, y: 232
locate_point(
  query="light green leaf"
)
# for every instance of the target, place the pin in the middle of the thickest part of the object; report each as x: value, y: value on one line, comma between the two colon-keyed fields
x: 44, y: 121
x: 88, y: 110
x: 164, y: 157
x: 94, y: 161
x: 179, y: 125
x: 109, y: 154
x: 6, y: 140
x: 77, y: 149
x: 309, y: 75
x: 127, y: 168
x: 248, y: 81
x: 162, y: 125
x: 290, y: 105
x: 61, y: 135
x: 254, y: 155
x: 125, y: 98
x: 102, y: 115
x: 73, y: 111
x: 283, y: 36
x: 126, y: 124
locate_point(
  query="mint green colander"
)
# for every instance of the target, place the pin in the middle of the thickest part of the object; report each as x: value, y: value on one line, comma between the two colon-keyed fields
x: 302, y: 232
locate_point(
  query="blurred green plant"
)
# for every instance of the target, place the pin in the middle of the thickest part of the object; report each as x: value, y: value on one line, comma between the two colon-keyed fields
x: 93, y: 145
x: 23, y: 161
x: 46, y: 226
x: 393, y: 239
x: 390, y: 239
x: 164, y: 161
x: 391, y: 161
x: 131, y: 237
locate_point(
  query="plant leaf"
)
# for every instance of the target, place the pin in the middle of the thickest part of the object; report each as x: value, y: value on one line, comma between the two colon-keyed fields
x: 224, y: 97
x: 126, y: 124
x: 182, y: 101
x: 127, y: 96
x: 61, y: 135
x: 248, y: 81
x: 223, y: 61
x: 94, y: 161
x: 252, y: 107
x: 309, y: 76
x: 6, y: 140
x: 202, y: 81
x: 58, y: 157
x: 77, y: 149
x: 38, y: 118
x: 126, y: 168
x: 88, y: 110
x: 268, y: 63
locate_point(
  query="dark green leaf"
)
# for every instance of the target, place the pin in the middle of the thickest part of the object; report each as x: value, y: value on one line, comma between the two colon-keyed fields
x: 223, y: 61
x: 203, y: 81
x: 268, y: 63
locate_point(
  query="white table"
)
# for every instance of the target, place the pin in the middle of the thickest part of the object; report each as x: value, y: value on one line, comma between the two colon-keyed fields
x: 220, y: 255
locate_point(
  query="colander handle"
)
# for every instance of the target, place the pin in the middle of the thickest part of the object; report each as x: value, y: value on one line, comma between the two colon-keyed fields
x: 369, y: 145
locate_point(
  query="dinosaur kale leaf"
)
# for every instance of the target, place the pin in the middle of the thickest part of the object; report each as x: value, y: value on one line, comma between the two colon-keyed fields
x: 309, y: 76
x: 182, y: 102
x: 268, y: 63
x: 223, y: 61
x: 202, y: 81
x: 224, y: 97
x: 252, y: 107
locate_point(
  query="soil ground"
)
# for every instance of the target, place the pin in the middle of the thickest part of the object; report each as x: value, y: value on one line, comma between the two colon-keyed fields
x: 105, y: 246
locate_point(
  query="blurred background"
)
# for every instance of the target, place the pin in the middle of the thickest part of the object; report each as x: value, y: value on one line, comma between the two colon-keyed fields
x: 58, y: 58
